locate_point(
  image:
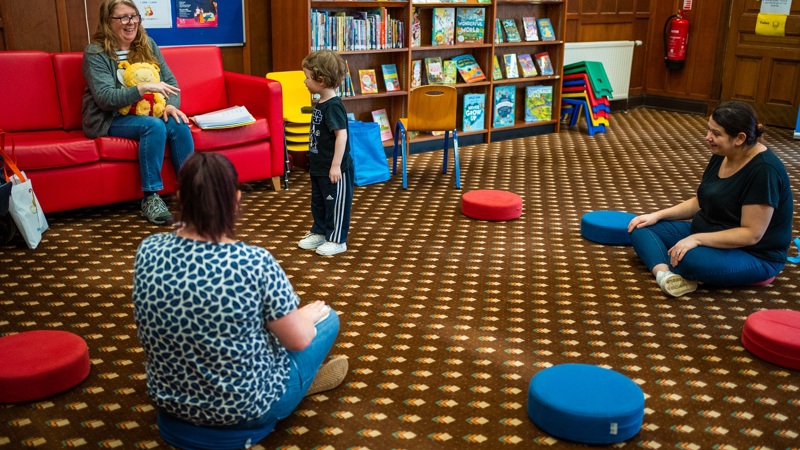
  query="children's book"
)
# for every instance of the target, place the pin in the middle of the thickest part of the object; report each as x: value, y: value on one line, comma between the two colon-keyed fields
x: 416, y: 73
x: 512, y: 33
x: 450, y: 71
x: 347, y: 89
x: 497, y: 74
x: 369, y: 82
x: 504, y: 106
x: 510, y: 62
x: 526, y: 65
x: 434, y: 70
x: 444, y: 26
x: 351, y: 116
x: 390, y: 77
x: 531, y: 29
x: 498, y: 32
x: 382, y: 118
x: 545, y: 65
x: 474, y: 112
x: 468, y: 68
x: 470, y: 24
x: 538, y: 103
x: 546, y: 29
x: 416, y: 28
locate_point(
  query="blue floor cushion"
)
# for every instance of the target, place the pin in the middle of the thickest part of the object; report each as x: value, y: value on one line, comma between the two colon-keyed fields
x: 585, y: 403
x: 607, y: 227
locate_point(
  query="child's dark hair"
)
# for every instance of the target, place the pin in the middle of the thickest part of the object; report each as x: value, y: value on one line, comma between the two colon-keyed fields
x: 207, y: 195
x: 738, y: 117
x: 326, y: 66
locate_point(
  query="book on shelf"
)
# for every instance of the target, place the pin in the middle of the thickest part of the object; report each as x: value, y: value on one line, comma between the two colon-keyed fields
x: 450, y: 71
x: 235, y: 116
x: 468, y: 68
x: 474, y: 112
x: 531, y: 29
x: 545, y: 65
x: 434, y: 70
x: 546, y: 32
x: 416, y: 73
x: 351, y: 116
x: 416, y: 28
x: 382, y: 118
x: 497, y: 74
x: 526, y: 66
x: 498, y: 32
x: 504, y: 97
x: 538, y: 103
x: 443, y: 26
x: 368, y: 80
x: 390, y: 77
x: 512, y: 33
x: 510, y: 62
x: 470, y: 24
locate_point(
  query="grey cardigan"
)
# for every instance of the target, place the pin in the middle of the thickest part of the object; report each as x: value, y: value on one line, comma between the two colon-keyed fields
x: 105, y: 94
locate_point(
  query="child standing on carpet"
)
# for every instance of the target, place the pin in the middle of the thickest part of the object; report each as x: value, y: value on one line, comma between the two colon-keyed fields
x: 331, y: 166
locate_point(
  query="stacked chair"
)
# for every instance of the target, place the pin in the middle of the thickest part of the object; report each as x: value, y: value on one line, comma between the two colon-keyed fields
x: 296, y: 116
x: 586, y: 89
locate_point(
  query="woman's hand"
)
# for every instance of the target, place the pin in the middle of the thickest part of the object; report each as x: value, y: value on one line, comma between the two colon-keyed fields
x: 679, y: 250
x: 177, y: 114
x: 158, y: 87
x: 315, y: 311
x: 645, y: 220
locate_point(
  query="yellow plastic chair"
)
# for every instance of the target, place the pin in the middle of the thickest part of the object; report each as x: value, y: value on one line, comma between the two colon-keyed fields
x: 430, y: 108
x: 296, y: 113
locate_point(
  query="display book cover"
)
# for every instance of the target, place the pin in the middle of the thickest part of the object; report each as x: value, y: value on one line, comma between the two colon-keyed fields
x: 512, y: 33
x: 526, y: 65
x: 235, y: 116
x: 504, y: 98
x: 450, y: 71
x: 468, y: 68
x: 474, y: 112
x: 390, y: 77
x: 510, y: 62
x: 531, y: 29
x: 434, y: 70
x: 470, y: 25
x: 368, y: 80
x: 545, y: 65
x: 443, y: 26
x: 416, y: 73
x: 546, y: 32
x: 382, y: 118
x: 538, y: 103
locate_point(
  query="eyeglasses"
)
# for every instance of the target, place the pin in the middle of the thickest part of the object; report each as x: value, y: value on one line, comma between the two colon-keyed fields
x: 136, y: 18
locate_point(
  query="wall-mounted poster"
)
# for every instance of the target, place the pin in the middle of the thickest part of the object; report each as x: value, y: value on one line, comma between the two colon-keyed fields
x: 193, y: 22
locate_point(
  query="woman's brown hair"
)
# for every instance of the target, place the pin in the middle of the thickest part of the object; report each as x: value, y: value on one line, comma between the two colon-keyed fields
x: 104, y: 37
x: 208, y: 195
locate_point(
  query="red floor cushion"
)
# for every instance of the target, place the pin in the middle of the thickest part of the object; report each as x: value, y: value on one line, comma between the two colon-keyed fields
x: 774, y: 335
x: 491, y: 205
x: 38, y: 364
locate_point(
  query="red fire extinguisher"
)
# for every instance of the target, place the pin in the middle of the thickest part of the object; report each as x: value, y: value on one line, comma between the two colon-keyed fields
x: 676, y: 38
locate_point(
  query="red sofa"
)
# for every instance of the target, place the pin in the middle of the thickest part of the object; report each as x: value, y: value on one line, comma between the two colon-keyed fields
x: 41, y: 97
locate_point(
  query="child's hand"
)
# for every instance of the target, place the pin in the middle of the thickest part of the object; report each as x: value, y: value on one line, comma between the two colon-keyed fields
x: 335, y: 174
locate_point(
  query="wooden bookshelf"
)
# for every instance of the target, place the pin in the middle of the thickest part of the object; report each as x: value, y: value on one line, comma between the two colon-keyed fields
x: 292, y: 41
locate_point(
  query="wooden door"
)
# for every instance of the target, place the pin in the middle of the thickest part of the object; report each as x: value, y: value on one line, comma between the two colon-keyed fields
x: 763, y: 70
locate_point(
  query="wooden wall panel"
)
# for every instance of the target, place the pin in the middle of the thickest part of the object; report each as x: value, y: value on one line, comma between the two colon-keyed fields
x: 35, y: 25
x: 782, y: 82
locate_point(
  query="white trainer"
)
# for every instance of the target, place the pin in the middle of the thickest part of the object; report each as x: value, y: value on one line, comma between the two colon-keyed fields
x: 331, y: 248
x: 675, y: 285
x: 311, y: 241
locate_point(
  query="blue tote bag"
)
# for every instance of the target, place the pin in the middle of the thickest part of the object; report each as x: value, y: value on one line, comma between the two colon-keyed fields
x: 369, y: 160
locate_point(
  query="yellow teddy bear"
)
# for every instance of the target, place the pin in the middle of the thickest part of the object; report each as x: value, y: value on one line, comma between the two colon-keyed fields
x: 151, y: 103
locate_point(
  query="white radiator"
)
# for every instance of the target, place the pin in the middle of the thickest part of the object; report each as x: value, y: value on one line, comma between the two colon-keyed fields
x: 616, y: 56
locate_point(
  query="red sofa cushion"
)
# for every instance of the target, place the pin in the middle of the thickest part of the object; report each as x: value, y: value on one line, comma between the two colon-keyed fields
x: 51, y: 149
x: 30, y: 97
x: 200, y: 77
x: 71, y: 84
x: 229, y: 137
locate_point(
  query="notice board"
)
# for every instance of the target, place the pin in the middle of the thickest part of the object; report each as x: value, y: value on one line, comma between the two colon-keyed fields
x: 193, y: 22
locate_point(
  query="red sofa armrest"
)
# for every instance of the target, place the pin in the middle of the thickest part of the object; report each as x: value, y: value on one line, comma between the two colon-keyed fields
x: 263, y: 98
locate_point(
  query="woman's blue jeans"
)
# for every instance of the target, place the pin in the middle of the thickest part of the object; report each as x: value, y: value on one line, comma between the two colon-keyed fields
x: 712, y: 266
x: 153, y: 135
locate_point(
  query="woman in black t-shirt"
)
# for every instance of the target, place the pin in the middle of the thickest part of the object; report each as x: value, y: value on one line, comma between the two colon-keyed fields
x: 741, y: 216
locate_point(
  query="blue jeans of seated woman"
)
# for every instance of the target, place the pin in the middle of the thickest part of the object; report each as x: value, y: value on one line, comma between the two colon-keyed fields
x: 153, y: 135
x: 303, y: 368
x: 712, y: 266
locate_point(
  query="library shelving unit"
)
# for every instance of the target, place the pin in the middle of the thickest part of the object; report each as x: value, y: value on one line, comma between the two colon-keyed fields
x: 293, y: 37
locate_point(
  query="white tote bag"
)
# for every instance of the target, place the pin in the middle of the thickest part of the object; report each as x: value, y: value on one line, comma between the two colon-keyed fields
x: 23, y: 204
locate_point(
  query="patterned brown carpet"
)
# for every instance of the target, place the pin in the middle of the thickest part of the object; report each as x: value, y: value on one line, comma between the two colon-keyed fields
x: 444, y: 319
